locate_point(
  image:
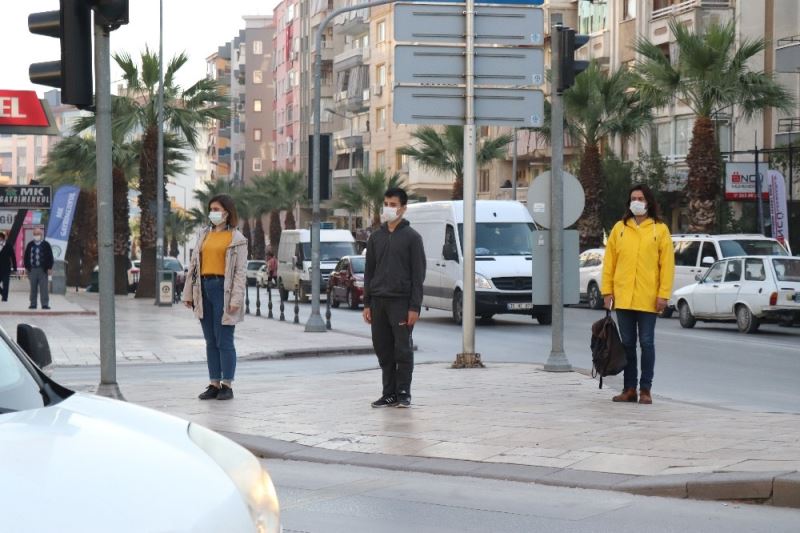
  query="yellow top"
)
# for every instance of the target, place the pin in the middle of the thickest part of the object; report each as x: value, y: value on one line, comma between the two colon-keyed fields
x: 212, y: 255
x: 639, y: 265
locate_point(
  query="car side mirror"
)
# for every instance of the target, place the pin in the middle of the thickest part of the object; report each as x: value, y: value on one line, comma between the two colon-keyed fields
x: 698, y: 278
x: 34, y: 342
x: 708, y: 261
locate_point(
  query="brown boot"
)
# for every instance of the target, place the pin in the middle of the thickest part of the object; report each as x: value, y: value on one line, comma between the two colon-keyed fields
x: 628, y: 395
x: 644, y: 396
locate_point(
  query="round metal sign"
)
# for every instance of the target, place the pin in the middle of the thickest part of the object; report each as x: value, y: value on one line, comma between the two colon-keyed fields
x: 539, y: 199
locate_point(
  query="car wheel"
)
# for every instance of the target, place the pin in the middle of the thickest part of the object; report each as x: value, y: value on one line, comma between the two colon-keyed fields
x: 458, y: 307
x: 745, y: 320
x: 667, y: 312
x: 595, y: 298
x: 302, y: 295
x: 284, y: 294
x: 545, y: 319
x: 685, y: 316
x: 351, y: 300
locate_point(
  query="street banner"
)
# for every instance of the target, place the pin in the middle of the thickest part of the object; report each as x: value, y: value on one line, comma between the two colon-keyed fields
x: 740, y: 181
x: 25, y: 197
x: 777, y: 207
x: 61, y: 214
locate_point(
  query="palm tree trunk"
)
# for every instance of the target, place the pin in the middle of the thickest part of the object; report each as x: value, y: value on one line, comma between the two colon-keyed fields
x: 147, y: 207
x: 458, y: 188
x: 274, y: 230
x: 75, y: 244
x: 259, y: 246
x: 590, y: 225
x: 703, y: 183
x: 122, y: 232
x: 173, y: 246
x: 89, y: 229
x: 290, y: 222
x: 249, y: 236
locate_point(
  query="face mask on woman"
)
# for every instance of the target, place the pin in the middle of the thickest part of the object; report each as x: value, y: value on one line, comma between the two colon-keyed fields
x: 638, y: 208
x: 216, y: 217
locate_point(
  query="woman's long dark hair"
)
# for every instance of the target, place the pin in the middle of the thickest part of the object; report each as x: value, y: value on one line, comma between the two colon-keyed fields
x: 652, y: 206
x: 229, y: 205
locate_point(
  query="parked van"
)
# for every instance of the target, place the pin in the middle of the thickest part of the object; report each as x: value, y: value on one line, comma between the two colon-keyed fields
x: 294, y: 259
x: 503, y: 243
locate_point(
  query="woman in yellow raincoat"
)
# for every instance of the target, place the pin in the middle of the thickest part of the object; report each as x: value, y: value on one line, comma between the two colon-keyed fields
x: 638, y: 269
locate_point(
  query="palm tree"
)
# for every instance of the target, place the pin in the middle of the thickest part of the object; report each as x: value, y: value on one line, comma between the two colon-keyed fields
x: 178, y: 228
x: 709, y: 74
x: 366, y: 194
x: 600, y: 105
x: 291, y: 191
x: 184, y: 112
x: 444, y: 152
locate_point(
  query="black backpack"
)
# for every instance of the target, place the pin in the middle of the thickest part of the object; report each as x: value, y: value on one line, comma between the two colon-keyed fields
x: 608, y: 354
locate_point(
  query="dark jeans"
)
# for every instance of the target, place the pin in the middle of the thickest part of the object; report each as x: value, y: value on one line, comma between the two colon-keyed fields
x: 391, y: 338
x: 629, y: 322
x: 220, y: 351
x: 5, y: 279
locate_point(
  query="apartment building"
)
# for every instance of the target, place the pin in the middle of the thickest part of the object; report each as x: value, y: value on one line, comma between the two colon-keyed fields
x: 219, y: 137
x: 257, y: 101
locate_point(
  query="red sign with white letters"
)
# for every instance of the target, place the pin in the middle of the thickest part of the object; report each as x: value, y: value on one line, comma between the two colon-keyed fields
x: 21, y: 108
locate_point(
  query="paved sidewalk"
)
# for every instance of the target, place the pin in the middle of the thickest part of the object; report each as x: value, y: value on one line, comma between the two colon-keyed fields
x: 146, y: 333
x: 511, y: 421
x: 19, y: 301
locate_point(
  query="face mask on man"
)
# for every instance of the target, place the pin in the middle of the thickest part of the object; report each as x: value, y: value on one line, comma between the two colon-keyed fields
x: 216, y: 217
x: 37, y: 238
x: 638, y: 208
x: 388, y: 214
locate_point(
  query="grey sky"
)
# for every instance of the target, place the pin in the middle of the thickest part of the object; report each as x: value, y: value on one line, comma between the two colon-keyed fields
x: 195, y: 26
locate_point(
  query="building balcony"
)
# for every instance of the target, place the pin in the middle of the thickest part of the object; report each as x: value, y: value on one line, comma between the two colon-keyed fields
x: 224, y: 133
x: 353, y: 23
x: 598, y: 48
x: 357, y: 103
x: 689, y: 12
x: 342, y: 140
x: 350, y: 58
x: 787, y: 54
x: 327, y: 54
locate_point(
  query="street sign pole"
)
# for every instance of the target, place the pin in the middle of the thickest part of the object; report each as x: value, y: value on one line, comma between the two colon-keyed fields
x: 468, y: 357
x: 557, y: 360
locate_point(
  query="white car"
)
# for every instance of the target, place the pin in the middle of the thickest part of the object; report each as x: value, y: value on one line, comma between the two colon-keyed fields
x: 252, y: 271
x: 749, y: 290
x: 590, y: 272
x: 78, y: 462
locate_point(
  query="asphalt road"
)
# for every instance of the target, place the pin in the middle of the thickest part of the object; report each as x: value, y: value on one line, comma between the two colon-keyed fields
x: 320, y: 498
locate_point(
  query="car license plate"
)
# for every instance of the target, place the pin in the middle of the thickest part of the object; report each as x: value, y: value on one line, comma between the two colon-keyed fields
x: 520, y: 306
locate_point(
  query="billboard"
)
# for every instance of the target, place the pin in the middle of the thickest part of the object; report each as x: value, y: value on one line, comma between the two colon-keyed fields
x: 740, y: 181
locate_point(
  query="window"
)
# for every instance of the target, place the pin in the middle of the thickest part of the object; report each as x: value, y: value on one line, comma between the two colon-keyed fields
x: 708, y: 251
x: 380, y: 118
x: 733, y: 272
x: 380, y: 74
x: 256, y: 164
x: 257, y: 105
x: 715, y: 274
x: 683, y: 135
x: 402, y: 162
x: 787, y: 269
x: 258, y: 77
x: 628, y: 9
x: 380, y: 31
x: 686, y: 253
x: 257, y: 134
x: 380, y: 159
x: 483, y: 184
x: 663, y: 138
x: 258, y: 47
x: 754, y: 270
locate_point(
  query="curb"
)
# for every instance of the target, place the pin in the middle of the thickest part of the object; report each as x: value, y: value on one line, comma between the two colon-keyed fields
x: 780, y: 489
x: 47, y: 313
x: 308, y: 352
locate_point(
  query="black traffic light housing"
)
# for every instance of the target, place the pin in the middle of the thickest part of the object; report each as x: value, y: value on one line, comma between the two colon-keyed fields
x: 568, y: 66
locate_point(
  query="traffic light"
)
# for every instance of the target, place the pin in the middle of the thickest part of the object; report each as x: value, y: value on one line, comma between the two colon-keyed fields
x: 568, y: 66
x: 72, y: 24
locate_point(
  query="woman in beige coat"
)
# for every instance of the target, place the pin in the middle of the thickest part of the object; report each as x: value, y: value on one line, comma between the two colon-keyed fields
x: 215, y: 288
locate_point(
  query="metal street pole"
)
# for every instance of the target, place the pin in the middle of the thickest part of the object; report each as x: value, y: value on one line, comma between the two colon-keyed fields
x: 350, y: 174
x: 514, y: 169
x: 557, y: 360
x: 315, y: 322
x: 759, y: 203
x: 105, y: 214
x: 160, y: 158
x: 469, y: 357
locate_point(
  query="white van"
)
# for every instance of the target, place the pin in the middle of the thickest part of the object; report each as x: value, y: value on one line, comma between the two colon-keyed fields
x: 294, y: 259
x: 503, y: 242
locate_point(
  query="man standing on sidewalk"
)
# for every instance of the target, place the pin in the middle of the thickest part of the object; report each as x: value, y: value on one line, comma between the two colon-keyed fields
x: 393, y: 276
x: 39, y: 263
x: 8, y: 264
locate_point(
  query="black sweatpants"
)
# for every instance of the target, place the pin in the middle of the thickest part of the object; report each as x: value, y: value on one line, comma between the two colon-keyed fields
x: 391, y: 338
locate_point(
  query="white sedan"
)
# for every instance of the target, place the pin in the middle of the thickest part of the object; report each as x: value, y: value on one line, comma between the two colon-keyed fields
x: 77, y: 462
x: 590, y: 272
x: 749, y: 290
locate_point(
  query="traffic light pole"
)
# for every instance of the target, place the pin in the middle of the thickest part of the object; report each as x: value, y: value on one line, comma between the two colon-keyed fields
x: 105, y: 214
x: 160, y: 161
x: 557, y: 360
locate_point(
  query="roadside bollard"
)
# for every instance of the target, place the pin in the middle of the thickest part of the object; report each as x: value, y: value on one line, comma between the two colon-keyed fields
x: 258, y: 299
x: 283, y: 317
x: 296, y: 305
x: 328, y: 310
x: 247, y: 297
x: 269, y: 300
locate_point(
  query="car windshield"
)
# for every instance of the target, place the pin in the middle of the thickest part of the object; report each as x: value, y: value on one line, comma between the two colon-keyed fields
x: 18, y: 389
x: 738, y: 247
x: 787, y: 269
x: 170, y: 263
x: 358, y: 264
x: 501, y: 238
x: 254, y: 265
x: 330, y: 251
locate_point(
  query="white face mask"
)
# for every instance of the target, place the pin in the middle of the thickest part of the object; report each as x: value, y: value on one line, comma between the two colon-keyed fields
x: 37, y: 238
x: 638, y: 208
x: 388, y: 214
x: 216, y: 217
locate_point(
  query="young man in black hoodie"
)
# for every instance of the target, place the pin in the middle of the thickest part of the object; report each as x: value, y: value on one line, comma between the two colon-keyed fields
x: 393, y: 276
